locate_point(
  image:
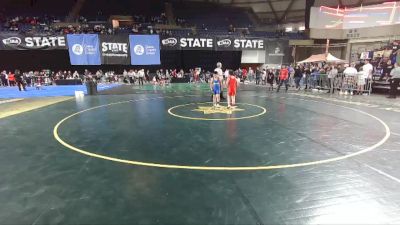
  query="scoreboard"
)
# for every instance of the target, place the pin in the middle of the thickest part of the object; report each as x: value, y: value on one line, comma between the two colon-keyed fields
x: 324, y: 17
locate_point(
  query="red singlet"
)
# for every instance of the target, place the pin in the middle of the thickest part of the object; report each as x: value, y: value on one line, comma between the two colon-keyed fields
x: 232, y: 84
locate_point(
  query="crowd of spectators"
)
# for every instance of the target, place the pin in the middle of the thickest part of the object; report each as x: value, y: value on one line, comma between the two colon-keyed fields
x: 27, y: 23
x: 348, y: 79
x: 52, y: 25
x: 47, y: 77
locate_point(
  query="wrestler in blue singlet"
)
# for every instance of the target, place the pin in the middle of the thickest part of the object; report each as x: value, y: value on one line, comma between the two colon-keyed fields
x: 217, y: 87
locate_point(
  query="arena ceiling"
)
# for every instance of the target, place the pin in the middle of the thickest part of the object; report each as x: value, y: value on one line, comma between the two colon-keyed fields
x: 267, y: 11
x: 287, y: 11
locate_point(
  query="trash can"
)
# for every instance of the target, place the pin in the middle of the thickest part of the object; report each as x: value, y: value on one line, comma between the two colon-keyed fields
x: 91, y: 87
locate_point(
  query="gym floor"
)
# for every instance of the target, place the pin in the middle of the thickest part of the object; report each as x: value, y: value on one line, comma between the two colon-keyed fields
x: 163, y: 155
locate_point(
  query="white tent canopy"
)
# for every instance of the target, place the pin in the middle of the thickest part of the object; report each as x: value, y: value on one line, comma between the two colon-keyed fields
x: 323, y: 58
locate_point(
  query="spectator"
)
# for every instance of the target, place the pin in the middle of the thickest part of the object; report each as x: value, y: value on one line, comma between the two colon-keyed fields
x: 250, y: 74
x: 307, y: 73
x: 76, y: 75
x: 350, y: 74
x: 244, y: 74
x: 264, y: 77
x: 331, y: 77
x: 3, y: 79
x: 20, y: 81
x: 394, y: 81
x: 387, y: 68
x: 298, y: 74
x: 11, y: 79
x: 283, y: 78
x: 258, y: 76
x: 367, y: 70
x: 270, y: 79
x: 141, y: 76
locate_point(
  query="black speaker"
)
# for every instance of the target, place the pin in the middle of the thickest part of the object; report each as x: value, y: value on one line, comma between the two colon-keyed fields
x: 309, y: 4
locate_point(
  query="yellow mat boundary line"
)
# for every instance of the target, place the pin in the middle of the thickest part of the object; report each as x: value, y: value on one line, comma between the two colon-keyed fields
x: 6, y: 114
x: 217, y: 168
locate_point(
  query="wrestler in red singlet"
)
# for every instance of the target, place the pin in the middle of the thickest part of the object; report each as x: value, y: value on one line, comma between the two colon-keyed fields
x: 232, y: 88
x: 232, y: 85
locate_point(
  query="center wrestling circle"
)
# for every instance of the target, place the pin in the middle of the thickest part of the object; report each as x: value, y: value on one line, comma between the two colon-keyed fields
x: 207, y: 111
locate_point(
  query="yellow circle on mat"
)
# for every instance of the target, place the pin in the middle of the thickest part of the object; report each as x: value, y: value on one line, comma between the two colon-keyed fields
x: 170, y: 111
x: 216, y: 168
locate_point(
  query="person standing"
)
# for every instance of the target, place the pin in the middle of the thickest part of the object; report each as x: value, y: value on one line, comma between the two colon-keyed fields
x: 291, y: 76
x: 20, y: 81
x: 220, y: 73
x: 125, y: 76
x: 394, y: 81
x: 367, y: 74
x: 226, y: 74
x: 196, y: 75
x: 270, y: 80
x: 250, y: 74
x: 276, y: 74
x: 331, y: 78
x: 147, y: 76
x: 387, y: 68
x: 3, y: 78
x: 244, y: 74
x: 297, y: 77
x: 350, y: 74
x: 135, y: 76
x: 141, y: 76
x: 130, y: 76
x: 283, y: 78
x: 264, y: 77
x: 232, y: 89
x: 11, y: 79
x: 215, y: 86
x: 258, y: 76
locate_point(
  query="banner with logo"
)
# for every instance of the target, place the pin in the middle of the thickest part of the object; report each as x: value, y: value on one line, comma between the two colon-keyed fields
x: 145, y: 49
x: 84, y: 49
x: 169, y: 43
x: 114, y: 49
x: 224, y: 44
x: 278, y: 51
x: 249, y: 44
x: 197, y: 43
x: 239, y: 44
x: 37, y: 42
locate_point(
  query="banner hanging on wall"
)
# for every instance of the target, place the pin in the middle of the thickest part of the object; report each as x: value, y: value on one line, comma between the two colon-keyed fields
x: 170, y: 43
x: 37, y: 42
x: 114, y: 49
x: 84, y: 49
x: 277, y: 52
x: 239, y: 44
x: 145, y: 49
x: 92, y: 49
x: 211, y: 43
x: 197, y: 43
x: 224, y: 44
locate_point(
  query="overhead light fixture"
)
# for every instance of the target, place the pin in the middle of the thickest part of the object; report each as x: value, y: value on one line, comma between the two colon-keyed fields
x: 289, y: 29
x: 302, y: 28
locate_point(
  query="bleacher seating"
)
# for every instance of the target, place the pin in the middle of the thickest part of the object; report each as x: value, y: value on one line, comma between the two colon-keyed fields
x: 103, y: 9
x: 211, y: 16
x: 199, y: 18
x: 33, y: 8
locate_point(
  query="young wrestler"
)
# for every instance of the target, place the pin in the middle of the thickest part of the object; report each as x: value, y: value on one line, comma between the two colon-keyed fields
x: 215, y: 86
x: 232, y: 88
